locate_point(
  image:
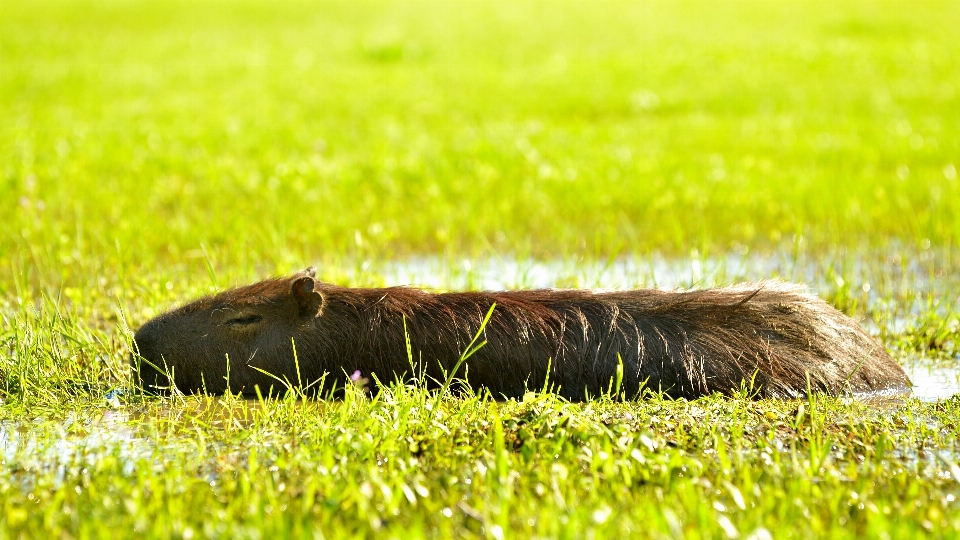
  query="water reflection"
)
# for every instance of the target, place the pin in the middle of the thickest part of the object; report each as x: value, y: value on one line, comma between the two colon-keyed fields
x: 932, y: 380
x: 148, y: 436
x: 870, y: 273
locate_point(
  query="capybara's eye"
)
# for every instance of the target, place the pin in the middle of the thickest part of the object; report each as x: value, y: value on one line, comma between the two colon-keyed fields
x: 244, y: 319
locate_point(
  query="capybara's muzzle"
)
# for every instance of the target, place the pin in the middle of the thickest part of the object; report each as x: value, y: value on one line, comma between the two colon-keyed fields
x: 149, y: 369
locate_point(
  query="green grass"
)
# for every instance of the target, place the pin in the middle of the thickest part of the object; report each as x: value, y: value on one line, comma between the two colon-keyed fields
x: 526, y: 127
x: 154, y: 151
x: 403, y: 465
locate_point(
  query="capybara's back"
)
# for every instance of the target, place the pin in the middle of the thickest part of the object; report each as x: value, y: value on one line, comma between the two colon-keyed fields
x: 770, y: 339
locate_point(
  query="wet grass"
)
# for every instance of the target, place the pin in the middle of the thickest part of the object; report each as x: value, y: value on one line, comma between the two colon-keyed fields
x: 155, y: 151
x: 405, y: 464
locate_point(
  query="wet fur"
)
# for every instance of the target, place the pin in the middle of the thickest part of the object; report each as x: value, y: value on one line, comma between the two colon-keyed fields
x: 770, y: 337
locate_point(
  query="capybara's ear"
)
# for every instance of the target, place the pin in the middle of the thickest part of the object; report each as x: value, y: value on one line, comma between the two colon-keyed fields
x: 309, y: 300
x: 310, y: 271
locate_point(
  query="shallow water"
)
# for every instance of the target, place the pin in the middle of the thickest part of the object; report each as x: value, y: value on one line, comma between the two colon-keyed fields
x: 60, y: 446
x: 933, y: 381
x: 870, y: 273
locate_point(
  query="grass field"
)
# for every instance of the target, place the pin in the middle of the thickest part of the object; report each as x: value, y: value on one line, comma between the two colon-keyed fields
x: 152, y: 151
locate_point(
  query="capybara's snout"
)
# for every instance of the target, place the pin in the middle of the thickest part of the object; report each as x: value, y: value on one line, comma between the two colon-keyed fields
x: 149, y: 367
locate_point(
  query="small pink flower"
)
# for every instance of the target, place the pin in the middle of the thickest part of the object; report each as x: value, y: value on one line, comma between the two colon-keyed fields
x: 356, y: 376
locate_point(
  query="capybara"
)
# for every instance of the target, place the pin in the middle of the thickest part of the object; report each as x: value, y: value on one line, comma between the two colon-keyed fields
x: 770, y: 339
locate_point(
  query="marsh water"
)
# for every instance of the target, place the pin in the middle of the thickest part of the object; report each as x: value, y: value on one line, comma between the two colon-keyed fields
x: 925, y: 271
x: 933, y: 381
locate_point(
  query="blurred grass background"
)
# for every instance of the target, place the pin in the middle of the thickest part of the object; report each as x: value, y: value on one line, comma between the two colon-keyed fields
x: 140, y: 135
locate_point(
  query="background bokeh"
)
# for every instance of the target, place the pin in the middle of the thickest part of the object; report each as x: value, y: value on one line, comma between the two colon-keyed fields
x: 142, y: 136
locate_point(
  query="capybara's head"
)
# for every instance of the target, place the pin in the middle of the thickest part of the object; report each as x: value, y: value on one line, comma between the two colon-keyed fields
x: 234, y: 336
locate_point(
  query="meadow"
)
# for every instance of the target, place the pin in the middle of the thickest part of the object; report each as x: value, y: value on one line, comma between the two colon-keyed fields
x: 153, y: 151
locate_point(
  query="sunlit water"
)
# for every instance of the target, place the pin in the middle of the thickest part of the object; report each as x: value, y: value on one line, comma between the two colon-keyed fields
x: 82, y: 439
x: 933, y: 381
x: 865, y: 273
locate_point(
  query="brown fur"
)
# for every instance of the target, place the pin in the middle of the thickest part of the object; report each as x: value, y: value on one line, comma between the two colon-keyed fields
x: 687, y: 344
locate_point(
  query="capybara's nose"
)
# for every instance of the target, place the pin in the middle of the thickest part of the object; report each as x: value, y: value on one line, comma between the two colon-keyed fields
x: 146, y: 340
x: 147, y: 361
